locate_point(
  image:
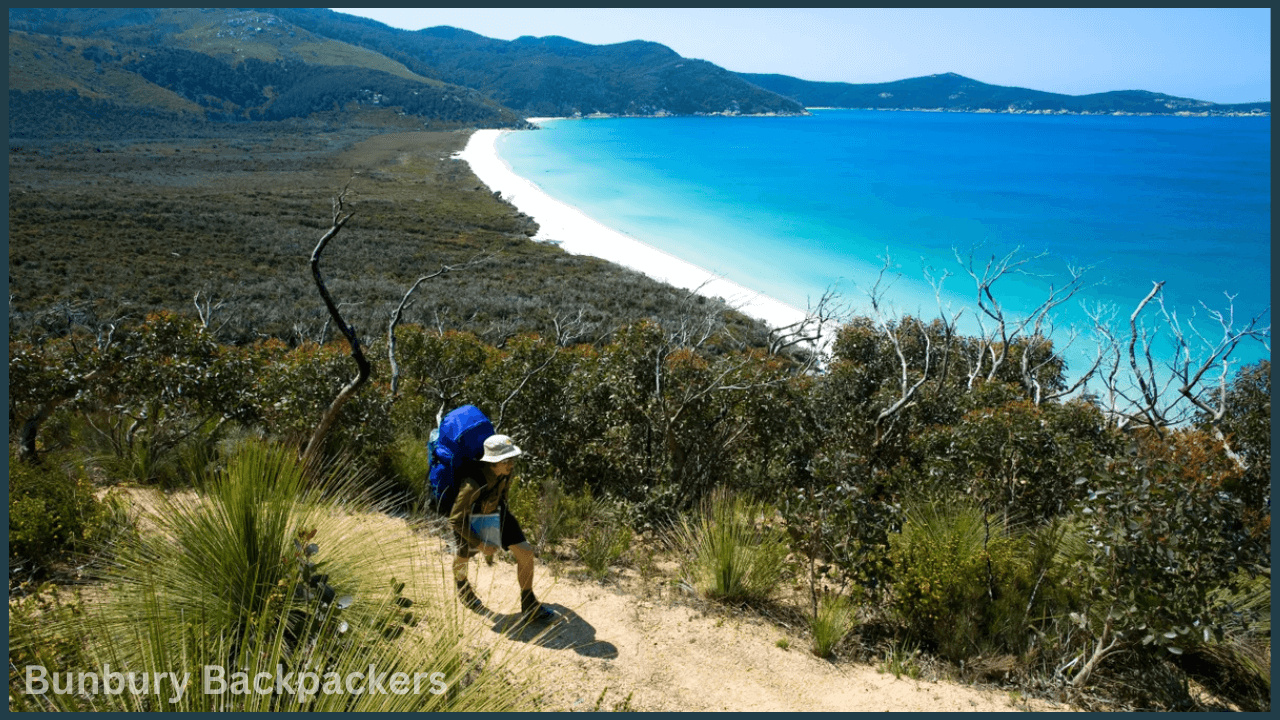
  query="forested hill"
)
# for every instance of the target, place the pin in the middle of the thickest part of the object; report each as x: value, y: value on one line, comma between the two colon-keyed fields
x: 168, y: 70
x: 950, y: 91
x: 555, y: 76
x: 91, y: 71
x: 94, y: 70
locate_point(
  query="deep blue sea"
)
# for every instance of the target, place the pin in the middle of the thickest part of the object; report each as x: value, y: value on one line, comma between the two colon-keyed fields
x: 789, y: 206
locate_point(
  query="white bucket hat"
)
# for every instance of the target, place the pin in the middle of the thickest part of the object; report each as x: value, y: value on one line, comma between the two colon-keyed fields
x: 498, y: 448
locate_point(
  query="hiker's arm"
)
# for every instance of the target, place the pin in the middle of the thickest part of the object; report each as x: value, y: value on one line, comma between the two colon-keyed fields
x: 460, y: 518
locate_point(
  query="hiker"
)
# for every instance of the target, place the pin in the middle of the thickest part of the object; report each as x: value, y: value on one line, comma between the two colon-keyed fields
x: 482, y: 490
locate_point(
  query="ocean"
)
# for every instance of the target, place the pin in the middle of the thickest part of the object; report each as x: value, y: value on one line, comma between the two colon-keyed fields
x: 791, y: 206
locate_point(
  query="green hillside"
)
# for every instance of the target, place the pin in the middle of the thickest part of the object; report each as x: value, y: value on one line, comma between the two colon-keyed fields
x: 272, y: 64
x: 179, y: 67
x: 555, y: 76
x: 950, y: 91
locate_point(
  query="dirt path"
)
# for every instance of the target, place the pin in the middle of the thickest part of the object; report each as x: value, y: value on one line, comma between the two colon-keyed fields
x: 628, y: 643
x: 667, y: 655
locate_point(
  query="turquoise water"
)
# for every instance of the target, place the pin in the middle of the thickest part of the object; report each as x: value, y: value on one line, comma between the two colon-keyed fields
x: 790, y: 206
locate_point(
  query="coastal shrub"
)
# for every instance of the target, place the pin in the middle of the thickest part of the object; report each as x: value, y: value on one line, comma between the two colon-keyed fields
x: 523, y: 384
x: 657, y: 408
x: 292, y: 392
x: 1247, y: 423
x: 958, y: 579
x: 732, y: 550
x: 1163, y: 548
x: 604, y: 542
x: 547, y: 513
x: 164, y: 382
x: 52, y: 510
x: 835, y: 619
x: 1018, y: 457
x: 268, y: 572
x: 436, y: 371
x: 843, y: 515
x: 409, y: 462
x: 42, y: 376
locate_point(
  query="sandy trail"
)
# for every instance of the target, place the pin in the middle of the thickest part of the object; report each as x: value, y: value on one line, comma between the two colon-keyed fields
x: 667, y: 655
x: 639, y: 639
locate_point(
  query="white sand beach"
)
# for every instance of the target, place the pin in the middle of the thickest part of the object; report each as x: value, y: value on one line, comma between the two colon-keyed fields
x: 577, y: 233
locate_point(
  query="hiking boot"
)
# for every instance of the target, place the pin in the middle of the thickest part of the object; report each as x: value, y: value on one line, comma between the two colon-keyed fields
x: 533, y: 611
x: 538, y: 614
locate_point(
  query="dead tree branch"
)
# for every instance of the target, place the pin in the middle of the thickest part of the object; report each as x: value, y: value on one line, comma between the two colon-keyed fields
x: 1217, y: 353
x: 340, y: 217
x: 206, y: 310
x: 810, y: 330
x: 1158, y: 401
x: 568, y: 329
x: 949, y: 326
x: 1033, y: 329
x: 398, y: 313
x: 891, y: 331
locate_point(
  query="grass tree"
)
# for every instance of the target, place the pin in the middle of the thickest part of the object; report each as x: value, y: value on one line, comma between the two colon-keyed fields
x: 732, y: 551
x: 267, y: 573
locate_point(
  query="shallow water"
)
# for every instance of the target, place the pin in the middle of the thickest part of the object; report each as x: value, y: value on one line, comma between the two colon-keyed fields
x: 790, y: 206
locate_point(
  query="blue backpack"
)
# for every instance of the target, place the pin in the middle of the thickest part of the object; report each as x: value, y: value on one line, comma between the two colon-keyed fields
x: 460, y: 438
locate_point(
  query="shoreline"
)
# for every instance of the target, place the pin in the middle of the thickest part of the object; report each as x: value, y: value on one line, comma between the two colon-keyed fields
x: 577, y: 233
x: 978, y: 111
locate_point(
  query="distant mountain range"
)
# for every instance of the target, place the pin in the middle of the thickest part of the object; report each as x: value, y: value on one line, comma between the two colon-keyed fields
x: 555, y: 76
x: 77, y: 71
x: 950, y: 91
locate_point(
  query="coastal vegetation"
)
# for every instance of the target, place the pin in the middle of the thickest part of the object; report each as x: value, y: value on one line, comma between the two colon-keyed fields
x: 917, y: 497
x: 227, y: 589
x: 923, y: 488
x: 230, y: 217
x: 238, y: 65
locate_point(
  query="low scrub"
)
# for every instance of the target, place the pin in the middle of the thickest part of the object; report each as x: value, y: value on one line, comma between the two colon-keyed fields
x: 835, y: 619
x: 547, y: 513
x: 52, y: 511
x: 731, y: 550
x: 267, y: 573
x: 967, y: 585
x: 604, y: 544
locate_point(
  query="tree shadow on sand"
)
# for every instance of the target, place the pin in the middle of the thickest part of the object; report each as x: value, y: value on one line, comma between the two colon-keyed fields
x: 569, y: 632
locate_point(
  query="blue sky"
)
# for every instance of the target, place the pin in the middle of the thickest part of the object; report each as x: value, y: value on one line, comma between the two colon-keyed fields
x: 1221, y: 55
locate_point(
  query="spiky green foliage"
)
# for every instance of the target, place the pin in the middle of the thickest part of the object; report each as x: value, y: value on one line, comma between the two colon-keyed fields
x: 732, y: 551
x: 603, y: 544
x: 966, y: 583
x: 269, y: 571
x: 835, y: 619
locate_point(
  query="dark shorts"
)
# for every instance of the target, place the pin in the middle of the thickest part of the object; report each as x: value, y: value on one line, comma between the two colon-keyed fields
x: 512, y: 534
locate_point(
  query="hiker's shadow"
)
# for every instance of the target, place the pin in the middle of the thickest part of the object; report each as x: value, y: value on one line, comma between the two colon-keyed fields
x: 569, y: 632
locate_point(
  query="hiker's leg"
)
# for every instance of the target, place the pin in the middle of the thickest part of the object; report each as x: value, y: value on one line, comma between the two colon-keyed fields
x: 460, y: 568
x: 513, y: 539
x: 462, y: 553
x: 524, y: 564
x: 530, y: 607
